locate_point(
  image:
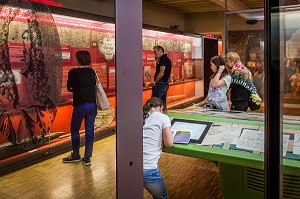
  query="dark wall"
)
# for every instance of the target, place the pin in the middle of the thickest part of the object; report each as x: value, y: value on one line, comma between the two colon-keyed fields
x: 210, y: 50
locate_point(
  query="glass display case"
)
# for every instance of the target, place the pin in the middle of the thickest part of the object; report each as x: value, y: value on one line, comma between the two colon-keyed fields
x: 98, y: 38
x: 37, y: 120
x: 291, y: 55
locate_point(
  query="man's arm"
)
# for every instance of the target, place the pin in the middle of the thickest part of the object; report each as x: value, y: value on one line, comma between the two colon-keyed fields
x: 160, y: 74
x: 70, y: 82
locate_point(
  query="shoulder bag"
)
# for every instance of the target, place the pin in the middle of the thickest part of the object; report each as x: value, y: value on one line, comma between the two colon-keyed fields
x: 101, y: 98
x: 254, y: 102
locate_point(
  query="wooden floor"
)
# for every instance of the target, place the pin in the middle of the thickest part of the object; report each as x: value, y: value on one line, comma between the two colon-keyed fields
x: 185, y: 177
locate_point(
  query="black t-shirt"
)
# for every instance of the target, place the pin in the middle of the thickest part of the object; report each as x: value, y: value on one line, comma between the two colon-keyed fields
x: 82, y: 81
x: 239, y: 93
x: 164, y: 61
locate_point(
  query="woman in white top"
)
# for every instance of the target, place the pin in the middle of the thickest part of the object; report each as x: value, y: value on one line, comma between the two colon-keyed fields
x: 156, y: 133
x: 218, y: 86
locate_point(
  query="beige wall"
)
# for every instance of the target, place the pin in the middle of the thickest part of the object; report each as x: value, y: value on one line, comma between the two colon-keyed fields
x: 238, y: 23
x: 152, y: 14
x: 213, y: 22
x: 104, y: 8
x: 202, y: 23
x: 162, y: 16
x: 208, y: 22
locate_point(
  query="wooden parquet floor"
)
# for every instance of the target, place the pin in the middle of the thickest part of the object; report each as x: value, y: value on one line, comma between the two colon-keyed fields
x: 186, y: 178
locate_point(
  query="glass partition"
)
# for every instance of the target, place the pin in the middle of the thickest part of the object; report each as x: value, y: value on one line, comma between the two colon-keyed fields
x: 185, y: 52
x: 289, y: 13
x: 31, y: 72
x: 182, y: 50
x: 44, y: 86
x: 291, y: 59
x: 38, y: 49
x: 278, y: 133
x: 96, y: 37
x: 246, y: 38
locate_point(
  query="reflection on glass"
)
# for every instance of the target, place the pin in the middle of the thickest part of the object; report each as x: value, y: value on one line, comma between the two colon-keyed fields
x: 185, y: 53
x: 29, y: 57
x: 291, y: 59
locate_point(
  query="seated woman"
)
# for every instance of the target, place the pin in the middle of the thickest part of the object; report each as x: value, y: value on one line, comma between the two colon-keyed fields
x: 218, y: 86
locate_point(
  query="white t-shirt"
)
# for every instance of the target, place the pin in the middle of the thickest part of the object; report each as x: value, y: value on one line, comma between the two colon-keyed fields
x: 217, y: 96
x: 152, y: 138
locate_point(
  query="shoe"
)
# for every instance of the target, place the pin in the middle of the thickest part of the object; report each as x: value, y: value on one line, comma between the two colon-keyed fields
x: 72, y: 158
x: 86, y: 161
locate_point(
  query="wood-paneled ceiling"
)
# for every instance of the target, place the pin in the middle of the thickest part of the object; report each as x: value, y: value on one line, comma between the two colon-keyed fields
x: 193, y: 6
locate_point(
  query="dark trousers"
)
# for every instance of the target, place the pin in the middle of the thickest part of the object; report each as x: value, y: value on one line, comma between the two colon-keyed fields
x: 88, y: 112
x: 160, y: 91
x: 240, y: 105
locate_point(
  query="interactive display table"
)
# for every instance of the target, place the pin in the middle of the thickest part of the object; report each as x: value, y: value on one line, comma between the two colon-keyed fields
x: 241, y: 172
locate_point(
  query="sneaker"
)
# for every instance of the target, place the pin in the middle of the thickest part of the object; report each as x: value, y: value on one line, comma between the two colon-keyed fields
x: 86, y: 161
x: 72, y: 158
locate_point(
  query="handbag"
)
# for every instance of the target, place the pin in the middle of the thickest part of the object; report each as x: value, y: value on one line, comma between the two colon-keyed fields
x: 254, y: 102
x: 101, y: 98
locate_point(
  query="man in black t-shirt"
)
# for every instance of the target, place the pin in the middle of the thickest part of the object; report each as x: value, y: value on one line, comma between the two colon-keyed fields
x: 160, y: 85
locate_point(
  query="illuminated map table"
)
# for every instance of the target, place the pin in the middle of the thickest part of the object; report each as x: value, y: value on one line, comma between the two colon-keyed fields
x: 241, y: 173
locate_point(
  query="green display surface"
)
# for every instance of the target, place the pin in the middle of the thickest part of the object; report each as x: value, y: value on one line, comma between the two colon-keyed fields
x: 241, y: 172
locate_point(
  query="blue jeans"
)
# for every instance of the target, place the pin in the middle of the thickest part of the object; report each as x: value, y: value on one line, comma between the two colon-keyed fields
x: 154, y: 184
x: 160, y: 91
x: 88, y: 112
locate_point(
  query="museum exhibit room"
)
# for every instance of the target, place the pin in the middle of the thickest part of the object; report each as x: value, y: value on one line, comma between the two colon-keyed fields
x: 221, y: 76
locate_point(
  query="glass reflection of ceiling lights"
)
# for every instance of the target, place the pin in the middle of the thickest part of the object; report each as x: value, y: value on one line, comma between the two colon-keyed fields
x: 82, y: 20
x: 251, y: 14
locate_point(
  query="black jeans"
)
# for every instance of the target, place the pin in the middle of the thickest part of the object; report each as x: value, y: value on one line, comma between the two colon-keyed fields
x: 160, y: 91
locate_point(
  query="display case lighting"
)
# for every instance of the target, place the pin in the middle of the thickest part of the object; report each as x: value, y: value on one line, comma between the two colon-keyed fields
x: 46, y: 2
x: 82, y: 20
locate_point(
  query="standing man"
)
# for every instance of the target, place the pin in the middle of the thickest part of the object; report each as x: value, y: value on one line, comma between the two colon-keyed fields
x: 160, y: 85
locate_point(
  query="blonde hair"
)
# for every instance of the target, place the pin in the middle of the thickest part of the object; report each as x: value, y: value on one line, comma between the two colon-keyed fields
x: 233, y: 56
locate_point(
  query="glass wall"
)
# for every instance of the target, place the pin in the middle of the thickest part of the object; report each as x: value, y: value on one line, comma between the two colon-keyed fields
x: 246, y: 38
x: 274, y: 71
x: 291, y: 59
x: 31, y: 72
x: 38, y: 49
x: 289, y: 13
x: 36, y: 105
x: 186, y: 54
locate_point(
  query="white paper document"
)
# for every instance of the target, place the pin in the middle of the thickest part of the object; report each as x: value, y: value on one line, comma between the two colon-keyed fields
x: 231, y: 134
x: 296, y: 149
x: 254, y: 140
x: 195, y: 129
x: 251, y: 140
x: 222, y: 134
x: 285, y: 141
x: 213, y: 136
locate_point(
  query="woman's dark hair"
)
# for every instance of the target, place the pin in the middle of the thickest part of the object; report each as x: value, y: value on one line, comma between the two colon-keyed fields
x: 152, y: 102
x: 219, y: 61
x: 83, y: 57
